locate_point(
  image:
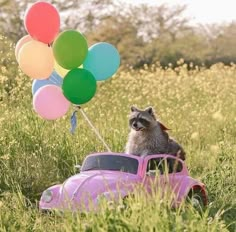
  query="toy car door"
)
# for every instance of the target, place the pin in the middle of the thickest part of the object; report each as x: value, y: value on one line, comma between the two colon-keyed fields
x: 162, y: 174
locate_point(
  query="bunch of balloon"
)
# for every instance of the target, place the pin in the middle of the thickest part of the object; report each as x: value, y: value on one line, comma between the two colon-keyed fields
x: 35, y: 57
x: 64, y: 68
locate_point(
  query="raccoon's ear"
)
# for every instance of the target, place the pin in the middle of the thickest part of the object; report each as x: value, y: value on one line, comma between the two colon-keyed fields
x: 133, y: 109
x: 150, y: 110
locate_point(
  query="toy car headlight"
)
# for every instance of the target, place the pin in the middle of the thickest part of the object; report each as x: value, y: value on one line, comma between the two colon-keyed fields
x: 47, y: 196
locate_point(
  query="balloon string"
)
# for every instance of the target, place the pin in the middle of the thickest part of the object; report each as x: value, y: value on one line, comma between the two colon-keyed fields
x: 54, y: 81
x: 94, y: 129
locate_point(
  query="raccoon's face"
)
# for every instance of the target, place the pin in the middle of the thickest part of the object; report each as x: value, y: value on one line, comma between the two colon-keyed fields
x: 141, y: 120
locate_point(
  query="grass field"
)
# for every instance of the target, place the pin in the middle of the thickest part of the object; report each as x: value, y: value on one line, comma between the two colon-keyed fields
x: 198, y: 105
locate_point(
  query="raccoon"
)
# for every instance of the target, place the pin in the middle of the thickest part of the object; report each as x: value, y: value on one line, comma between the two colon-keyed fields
x: 149, y: 136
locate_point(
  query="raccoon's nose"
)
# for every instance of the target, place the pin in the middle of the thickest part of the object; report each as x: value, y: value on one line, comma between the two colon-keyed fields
x: 135, y: 124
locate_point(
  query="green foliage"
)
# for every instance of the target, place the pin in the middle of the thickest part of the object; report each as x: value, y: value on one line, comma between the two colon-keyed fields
x: 198, y: 105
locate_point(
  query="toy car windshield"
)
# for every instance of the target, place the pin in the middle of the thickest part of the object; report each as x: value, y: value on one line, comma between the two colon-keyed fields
x: 111, y: 163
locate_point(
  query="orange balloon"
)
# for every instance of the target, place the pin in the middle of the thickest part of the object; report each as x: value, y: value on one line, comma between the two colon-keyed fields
x: 36, y: 60
x: 20, y: 43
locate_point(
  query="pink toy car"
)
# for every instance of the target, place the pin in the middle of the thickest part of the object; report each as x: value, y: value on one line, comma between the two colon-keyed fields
x: 114, y: 176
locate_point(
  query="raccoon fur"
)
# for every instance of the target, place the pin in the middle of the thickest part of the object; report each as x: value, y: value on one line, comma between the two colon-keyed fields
x: 149, y: 136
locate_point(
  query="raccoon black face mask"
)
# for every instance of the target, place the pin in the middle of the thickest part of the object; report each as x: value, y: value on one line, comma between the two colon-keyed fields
x: 141, y: 120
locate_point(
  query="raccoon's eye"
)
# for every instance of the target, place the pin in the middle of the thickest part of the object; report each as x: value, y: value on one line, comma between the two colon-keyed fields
x: 132, y: 120
x: 144, y: 121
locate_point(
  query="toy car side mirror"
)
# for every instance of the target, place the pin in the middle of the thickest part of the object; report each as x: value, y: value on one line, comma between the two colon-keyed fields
x: 78, y: 167
x: 151, y: 173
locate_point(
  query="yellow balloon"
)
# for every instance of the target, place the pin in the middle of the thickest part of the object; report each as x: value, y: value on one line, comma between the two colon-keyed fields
x: 36, y: 60
x: 61, y: 71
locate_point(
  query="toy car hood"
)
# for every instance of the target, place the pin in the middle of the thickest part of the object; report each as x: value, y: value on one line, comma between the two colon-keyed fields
x: 85, y: 189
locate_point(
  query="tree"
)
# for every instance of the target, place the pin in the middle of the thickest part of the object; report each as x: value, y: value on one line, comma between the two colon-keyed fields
x: 161, y: 21
x: 160, y: 27
x: 220, y: 42
x: 123, y: 35
x: 11, y: 14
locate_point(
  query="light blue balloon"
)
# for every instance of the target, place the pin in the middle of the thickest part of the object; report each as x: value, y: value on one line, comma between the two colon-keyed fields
x: 54, y: 79
x: 102, y: 60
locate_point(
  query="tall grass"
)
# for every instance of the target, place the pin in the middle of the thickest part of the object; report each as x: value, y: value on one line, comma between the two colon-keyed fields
x: 199, y: 105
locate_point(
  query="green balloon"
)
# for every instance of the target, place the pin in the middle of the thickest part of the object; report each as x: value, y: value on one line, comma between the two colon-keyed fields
x: 70, y: 49
x: 79, y: 86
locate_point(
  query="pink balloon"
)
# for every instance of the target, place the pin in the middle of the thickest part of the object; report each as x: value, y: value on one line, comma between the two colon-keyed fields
x: 20, y: 43
x: 42, y: 21
x: 50, y: 103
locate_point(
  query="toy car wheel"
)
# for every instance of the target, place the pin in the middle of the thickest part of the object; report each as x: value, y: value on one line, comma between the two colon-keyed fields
x: 196, y: 198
